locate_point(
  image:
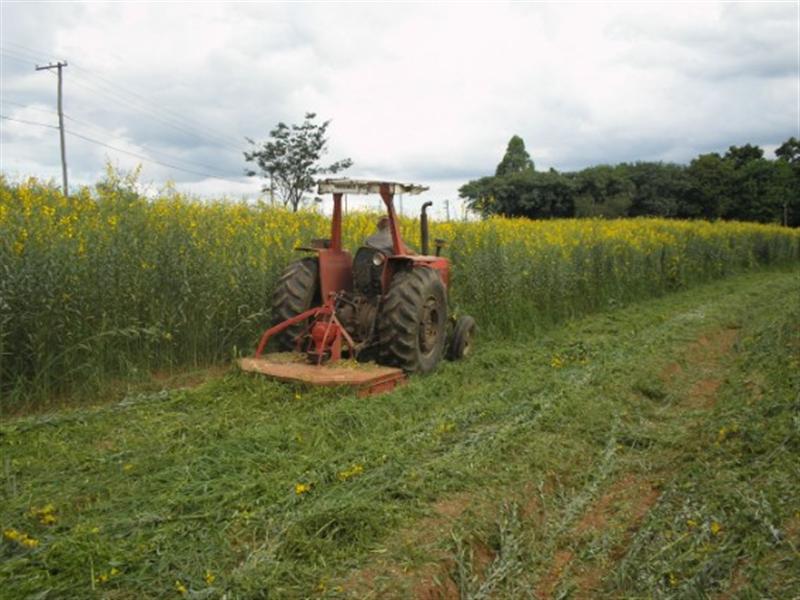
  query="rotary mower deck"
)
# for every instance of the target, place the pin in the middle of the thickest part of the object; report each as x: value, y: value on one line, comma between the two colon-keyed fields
x: 366, y: 378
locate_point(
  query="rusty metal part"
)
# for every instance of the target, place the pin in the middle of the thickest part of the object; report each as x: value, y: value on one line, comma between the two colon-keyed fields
x: 368, y: 380
x: 362, y: 186
x: 423, y: 226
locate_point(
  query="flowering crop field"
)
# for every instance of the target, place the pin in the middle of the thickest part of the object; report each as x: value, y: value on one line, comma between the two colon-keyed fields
x: 106, y: 284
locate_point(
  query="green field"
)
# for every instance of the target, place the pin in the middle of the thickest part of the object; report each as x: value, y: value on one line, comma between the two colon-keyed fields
x: 646, y: 451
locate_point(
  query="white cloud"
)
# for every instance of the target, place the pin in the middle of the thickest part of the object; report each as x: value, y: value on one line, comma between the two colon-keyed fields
x: 427, y: 92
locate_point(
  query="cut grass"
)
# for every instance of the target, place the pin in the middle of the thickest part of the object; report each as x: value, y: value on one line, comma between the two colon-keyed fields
x: 571, y: 476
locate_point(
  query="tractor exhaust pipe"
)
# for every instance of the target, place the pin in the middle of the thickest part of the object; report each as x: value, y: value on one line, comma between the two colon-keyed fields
x: 423, y: 224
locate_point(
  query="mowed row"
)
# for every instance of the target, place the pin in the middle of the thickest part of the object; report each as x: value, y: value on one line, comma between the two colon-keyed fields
x: 647, y: 451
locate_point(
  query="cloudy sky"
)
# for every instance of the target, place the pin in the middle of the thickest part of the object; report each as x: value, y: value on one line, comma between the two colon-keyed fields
x: 422, y: 92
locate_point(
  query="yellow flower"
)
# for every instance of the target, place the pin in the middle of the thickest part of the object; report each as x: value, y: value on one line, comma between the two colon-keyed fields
x: 302, y: 488
x: 114, y: 571
x: 44, y: 514
x: 127, y: 467
x: 102, y: 578
x: 356, y: 469
x: 445, y: 427
x: 691, y: 523
x: 23, y: 539
x: 715, y: 528
x: 297, y: 396
x: 29, y: 542
x: 556, y: 362
x: 180, y: 588
x: 209, y: 577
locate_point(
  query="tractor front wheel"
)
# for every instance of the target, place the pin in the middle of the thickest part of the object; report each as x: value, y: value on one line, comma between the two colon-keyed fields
x: 413, y: 321
x: 297, y: 291
x: 463, y: 336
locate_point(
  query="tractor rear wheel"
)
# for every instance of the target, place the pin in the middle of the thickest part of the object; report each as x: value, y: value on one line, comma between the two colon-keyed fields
x: 413, y: 321
x: 297, y: 291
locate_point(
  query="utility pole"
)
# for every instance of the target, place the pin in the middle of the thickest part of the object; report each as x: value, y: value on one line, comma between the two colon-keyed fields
x: 59, y: 65
x: 447, y: 208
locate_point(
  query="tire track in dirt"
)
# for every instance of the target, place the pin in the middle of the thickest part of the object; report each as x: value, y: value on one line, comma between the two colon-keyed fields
x: 622, y: 508
x: 619, y: 511
x: 628, y: 499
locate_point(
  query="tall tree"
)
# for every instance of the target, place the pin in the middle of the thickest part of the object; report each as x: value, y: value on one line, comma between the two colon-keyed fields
x: 603, y: 191
x: 290, y: 159
x: 479, y: 195
x: 789, y: 181
x: 789, y: 151
x: 741, y: 155
x: 661, y: 189
x: 711, y: 185
x: 516, y: 158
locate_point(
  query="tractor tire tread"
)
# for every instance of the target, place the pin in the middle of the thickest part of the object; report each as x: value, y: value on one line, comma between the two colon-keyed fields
x: 398, y: 328
x: 295, y: 292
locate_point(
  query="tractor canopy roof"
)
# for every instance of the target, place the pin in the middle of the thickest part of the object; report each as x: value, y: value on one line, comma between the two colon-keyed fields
x: 363, y: 186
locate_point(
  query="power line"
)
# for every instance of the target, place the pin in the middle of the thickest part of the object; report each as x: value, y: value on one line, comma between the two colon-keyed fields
x: 109, y: 133
x: 117, y: 93
x: 134, y: 154
x: 171, y: 114
x: 29, y: 122
x: 139, y: 156
x: 150, y: 149
x: 82, y: 82
x: 28, y: 106
x: 31, y: 52
x: 19, y: 60
x: 107, y: 90
x: 23, y: 50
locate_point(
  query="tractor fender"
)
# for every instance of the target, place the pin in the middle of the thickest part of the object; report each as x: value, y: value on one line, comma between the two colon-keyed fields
x: 399, y: 262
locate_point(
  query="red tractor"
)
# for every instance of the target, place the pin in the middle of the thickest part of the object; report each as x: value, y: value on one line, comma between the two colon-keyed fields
x: 388, y: 304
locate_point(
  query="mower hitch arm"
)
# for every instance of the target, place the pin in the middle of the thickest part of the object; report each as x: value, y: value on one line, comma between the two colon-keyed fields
x: 311, y: 312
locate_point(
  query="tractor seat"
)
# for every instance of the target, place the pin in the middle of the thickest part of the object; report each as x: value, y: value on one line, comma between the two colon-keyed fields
x: 382, y: 241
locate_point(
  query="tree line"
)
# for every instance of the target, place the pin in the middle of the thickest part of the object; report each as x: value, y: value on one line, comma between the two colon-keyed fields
x: 740, y: 185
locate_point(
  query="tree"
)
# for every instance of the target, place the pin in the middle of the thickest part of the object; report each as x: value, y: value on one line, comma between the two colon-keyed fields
x: 757, y: 192
x: 789, y: 171
x: 525, y: 194
x: 660, y: 189
x: 290, y: 159
x: 478, y: 194
x: 711, y: 185
x: 603, y: 191
x: 516, y: 158
x: 534, y: 195
x: 789, y: 151
x: 741, y: 155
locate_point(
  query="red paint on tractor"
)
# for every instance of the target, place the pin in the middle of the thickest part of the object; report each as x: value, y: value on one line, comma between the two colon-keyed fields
x: 324, y: 339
